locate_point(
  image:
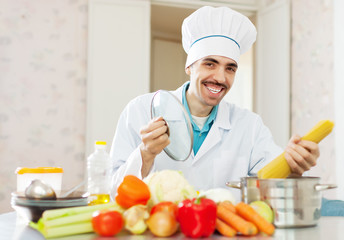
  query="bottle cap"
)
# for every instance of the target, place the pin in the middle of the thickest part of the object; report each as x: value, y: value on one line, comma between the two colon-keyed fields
x: 100, y: 145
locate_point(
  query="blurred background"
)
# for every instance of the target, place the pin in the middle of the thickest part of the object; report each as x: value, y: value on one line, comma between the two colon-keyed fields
x: 69, y: 67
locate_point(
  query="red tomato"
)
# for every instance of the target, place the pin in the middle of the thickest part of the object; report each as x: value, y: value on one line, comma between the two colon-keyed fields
x: 166, y: 206
x: 107, y: 223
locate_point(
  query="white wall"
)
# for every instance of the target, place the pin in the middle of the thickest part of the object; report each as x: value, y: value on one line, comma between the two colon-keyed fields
x: 43, y: 71
x: 119, y: 63
x: 338, y: 93
x: 272, y: 88
x: 312, y: 85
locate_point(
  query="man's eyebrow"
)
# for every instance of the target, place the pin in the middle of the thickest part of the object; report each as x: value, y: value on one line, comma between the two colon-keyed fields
x: 232, y: 65
x: 215, y: 61
x: 210, y: 60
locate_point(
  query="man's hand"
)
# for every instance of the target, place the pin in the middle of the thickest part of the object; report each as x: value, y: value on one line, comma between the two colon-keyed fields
x: 301, y: 155
x: 154, y: 140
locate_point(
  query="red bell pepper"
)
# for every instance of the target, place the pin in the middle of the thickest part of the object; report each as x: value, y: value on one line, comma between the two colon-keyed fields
x: 197, y: 217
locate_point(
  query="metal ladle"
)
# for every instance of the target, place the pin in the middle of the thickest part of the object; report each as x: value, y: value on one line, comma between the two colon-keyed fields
x: 40, y: 190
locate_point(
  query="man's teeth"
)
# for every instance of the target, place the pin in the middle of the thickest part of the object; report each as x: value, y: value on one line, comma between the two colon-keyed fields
x: 214, y: 90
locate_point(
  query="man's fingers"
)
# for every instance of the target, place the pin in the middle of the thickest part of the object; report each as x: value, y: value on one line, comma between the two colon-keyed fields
x: 309, y: 152
x: 294, y: 139
x: 157, y: 145
x: 312, y: 147
x: 301, y: 155
x: 295, y: 168
x: 154, y: 136
x: 162, y: 141
x: 298, y: 157
x: 152, y: 125
x: 149, y: 136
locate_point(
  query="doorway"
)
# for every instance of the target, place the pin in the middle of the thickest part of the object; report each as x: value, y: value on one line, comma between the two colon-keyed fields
x: 168, y: 56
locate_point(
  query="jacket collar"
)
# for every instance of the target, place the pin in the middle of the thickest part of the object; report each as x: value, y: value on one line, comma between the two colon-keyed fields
x: 222, y: 119
x: 223, y: 116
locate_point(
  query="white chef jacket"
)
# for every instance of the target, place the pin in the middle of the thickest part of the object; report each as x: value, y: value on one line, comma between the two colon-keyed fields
x: 238, y: 145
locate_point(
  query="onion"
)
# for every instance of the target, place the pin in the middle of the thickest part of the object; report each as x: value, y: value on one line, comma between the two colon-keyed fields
x: 162, y: 224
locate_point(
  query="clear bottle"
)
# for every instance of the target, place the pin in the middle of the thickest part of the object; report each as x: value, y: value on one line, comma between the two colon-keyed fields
x: 99, y: 169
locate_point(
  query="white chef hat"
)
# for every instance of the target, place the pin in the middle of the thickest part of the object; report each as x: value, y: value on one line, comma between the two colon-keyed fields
x: 216, y: 31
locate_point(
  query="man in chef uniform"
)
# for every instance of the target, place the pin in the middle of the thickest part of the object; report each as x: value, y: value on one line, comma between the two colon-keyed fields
x: 229, y: 142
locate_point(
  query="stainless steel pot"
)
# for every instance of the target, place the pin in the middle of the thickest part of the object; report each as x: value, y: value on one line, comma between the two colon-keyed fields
x: 296, y: 202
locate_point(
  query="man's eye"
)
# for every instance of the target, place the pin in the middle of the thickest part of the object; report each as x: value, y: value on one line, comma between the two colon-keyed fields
x: 209, y: 64
x: 231, y: 69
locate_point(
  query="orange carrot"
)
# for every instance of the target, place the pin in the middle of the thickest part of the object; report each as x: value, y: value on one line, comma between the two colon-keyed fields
x: 228, y: 205
x: 248, y: 213
x: 224, y: 228
x: 236, y: 222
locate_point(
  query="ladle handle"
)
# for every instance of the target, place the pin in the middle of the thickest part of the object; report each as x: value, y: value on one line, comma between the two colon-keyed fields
x: 73, y: 189
x: 321, y: 187
x: 234, y: 184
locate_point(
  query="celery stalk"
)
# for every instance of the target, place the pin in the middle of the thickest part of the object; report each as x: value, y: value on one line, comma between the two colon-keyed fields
x: 69, y: 221
x: 57, y: 213
x: 34, y: 225
x: 65, y: 230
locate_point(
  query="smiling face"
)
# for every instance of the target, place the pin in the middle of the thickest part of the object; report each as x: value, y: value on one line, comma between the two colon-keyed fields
x: 210, y: 80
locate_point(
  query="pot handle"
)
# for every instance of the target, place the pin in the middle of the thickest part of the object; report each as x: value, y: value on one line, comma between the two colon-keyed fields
x: 321, y: 187
x: 234, y: 184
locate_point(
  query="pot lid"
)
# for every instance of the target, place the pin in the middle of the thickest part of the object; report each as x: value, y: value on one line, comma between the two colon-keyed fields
x: 166, y: 105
